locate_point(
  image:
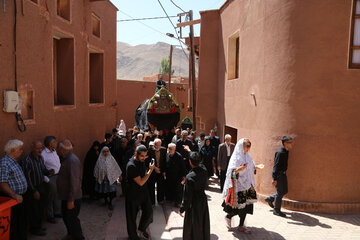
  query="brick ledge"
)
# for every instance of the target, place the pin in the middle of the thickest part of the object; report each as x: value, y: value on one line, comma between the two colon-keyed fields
x: 317, y: 207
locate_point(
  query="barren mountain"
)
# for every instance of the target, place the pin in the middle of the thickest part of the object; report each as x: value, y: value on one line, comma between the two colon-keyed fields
x: 135, y: 62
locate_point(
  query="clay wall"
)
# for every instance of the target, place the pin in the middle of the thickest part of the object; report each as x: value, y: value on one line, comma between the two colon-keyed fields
x: 37, y: 28
x: 293, y: 80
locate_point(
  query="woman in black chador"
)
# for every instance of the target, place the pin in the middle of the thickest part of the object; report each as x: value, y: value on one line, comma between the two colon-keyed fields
x: 207, y: 154
x: 88, y: 181
x: 194, y: 204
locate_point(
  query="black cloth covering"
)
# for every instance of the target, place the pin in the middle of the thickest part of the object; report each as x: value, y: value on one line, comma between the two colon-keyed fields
x: 88, y: 181
x: 175, y: 171
x: 197, y: 220
x: 207, y: 153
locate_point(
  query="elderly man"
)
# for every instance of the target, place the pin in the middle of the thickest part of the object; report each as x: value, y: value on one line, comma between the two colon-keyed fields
x: 35, y: 197
x: 69, y: 189
x: 158, y: 153
x: 180, y: 144
x: 137, y: 194
x: 174, y: 174
x: 224, y: 153
x: 177, y: 135
x: 51, y: 161
x: 13, y: 184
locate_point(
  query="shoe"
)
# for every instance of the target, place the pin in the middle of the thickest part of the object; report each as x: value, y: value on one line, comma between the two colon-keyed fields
x: 228, y: 222
x: 58, y: 215
x: 52, y: 220
x: 38, y: 232
x: 144, y: 235
x: 268, y: 200
x: 110, y: 207
x: 244, y: 229
x: 279, y: 213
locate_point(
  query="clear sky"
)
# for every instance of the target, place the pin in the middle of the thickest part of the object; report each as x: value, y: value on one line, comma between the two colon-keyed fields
x: 135, y: 32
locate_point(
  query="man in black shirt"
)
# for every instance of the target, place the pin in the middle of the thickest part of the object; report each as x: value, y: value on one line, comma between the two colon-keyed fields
x: 180, y: 144
x: 35, y: 198
x: 137, y: 194
x: 174, y: 175
x: 279, y: 175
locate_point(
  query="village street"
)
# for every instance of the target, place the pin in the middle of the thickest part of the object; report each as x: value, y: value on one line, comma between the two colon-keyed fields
x: 99, y: 223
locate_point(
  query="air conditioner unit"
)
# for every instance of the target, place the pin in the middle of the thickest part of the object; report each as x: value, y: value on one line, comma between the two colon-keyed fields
x: 11, y: 101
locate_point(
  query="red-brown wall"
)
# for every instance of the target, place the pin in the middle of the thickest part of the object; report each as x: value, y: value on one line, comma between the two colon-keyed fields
x: 82, y: 122
x: 132, y: 93
x: 294, y: 58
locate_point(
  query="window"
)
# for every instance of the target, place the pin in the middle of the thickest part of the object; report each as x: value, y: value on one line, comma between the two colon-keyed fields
x: 232, y: 131
x: 95, y: 25
x: 63, y: 9
x: 34, y: 1
x: 96, y: 77
x: 63, y: 71
x: 355, y: 37
x: 233, y: 56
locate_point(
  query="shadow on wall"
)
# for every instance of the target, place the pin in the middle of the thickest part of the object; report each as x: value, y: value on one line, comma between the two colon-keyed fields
x: 221, y: 119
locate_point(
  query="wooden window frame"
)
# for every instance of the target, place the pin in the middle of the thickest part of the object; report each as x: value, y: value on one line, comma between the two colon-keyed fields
x: 352, y: 47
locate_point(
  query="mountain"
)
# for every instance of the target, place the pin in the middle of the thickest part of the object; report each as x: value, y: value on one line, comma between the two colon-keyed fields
x: 135, y: 62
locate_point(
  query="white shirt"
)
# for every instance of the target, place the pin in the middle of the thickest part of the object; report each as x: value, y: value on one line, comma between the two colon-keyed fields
x: 228, y: 149
x: 51, y: 161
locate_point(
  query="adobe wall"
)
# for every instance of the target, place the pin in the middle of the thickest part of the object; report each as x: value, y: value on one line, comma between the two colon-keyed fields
x: 82, y: 123
x: 294, y: 58
x: 207, y: 92
x: 132, y: 93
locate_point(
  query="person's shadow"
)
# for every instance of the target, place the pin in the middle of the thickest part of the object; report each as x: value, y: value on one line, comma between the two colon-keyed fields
x: 305, y: 220
x: 212, y: 237
x: 257, y: 233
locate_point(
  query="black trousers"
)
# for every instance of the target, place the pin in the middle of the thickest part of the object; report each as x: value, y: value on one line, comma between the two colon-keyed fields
x: 222, y: 179
x: 71, y: 220
x: 134, y: 202
x: 35, y: 208
x: 174, y: 190
x: 18, y: 228
x: 242, y: 217
x: 281, y: 190
x: 159, y: 179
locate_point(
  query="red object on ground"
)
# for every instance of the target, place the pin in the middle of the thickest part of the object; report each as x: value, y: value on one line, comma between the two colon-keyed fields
x: 5, y: 213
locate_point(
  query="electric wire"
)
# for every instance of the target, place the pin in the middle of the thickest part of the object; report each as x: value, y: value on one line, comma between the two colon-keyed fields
x: 154, y: 29
x: 178, y: 38
x: 177, y: 6
x: 141, y: 19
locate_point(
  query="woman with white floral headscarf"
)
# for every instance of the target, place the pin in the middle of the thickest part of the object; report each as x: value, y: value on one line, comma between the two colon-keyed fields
x: 107, y: 172
x: 239, y: 192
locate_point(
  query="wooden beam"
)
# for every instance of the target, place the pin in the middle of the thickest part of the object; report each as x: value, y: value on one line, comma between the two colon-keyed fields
x: 189, y: 23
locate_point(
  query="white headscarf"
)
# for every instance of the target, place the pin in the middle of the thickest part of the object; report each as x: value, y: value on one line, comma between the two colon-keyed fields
x: 106, y: 166
x: 246, y: 176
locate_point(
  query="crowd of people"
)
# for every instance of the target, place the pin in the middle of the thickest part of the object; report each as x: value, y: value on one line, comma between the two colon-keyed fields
x: 160, y: 166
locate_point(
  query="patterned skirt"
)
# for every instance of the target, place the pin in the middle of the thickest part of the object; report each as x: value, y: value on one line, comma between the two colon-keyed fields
x: 105, y: 186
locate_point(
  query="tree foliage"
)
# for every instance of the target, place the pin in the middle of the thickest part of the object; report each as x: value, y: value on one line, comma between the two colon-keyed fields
x: 164, y: 67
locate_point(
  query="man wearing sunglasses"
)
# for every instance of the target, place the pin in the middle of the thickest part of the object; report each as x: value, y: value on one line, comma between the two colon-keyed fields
x: 279, y: 176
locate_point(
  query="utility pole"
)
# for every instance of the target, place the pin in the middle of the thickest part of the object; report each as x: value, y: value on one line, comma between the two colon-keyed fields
x: 171, y: 50
x: 192, y: 69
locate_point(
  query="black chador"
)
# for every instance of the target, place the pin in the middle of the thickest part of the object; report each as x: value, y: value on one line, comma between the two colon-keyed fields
x: 196, y: 221
x: 175, y: 171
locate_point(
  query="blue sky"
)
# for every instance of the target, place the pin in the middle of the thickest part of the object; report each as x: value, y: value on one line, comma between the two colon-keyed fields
x: 135, y: 33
